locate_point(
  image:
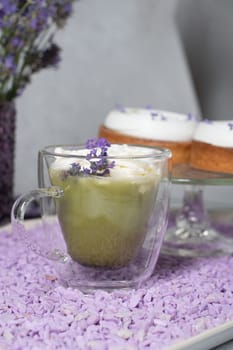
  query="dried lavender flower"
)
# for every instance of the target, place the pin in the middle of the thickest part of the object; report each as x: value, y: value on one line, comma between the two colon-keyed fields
x: 97, y: 159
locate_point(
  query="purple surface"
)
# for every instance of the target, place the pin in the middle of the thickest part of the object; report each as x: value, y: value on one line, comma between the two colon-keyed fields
x: 183, y: 298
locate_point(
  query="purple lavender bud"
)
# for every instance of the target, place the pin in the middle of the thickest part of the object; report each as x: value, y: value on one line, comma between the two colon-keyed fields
x: 50, y: 57
x: 120, y: 108
x: 99, y: 164
x: 17, y: 42
x: 189, y: 116
x: 91, y: 143
x: 94, y: 167
x: 154, y: 115
x: 103, y: 143
x: 86, y: 172
x: 1, y: 17
x: 230, y: 125
x: 67, y: 8
x: 9, y: 63
x: 92, y: 154
x: 207, y: 121
x: 8, y: 7
x: 34, y: 23
x: 111, y: 165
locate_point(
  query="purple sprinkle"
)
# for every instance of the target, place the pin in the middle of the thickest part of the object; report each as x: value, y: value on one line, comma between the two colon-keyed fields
x: 154, y: 115
x: 163, y: 117
x: 120, y: 108
x: 149, y: 107
x: 191, y: 116
x: 183, y: 298
x: 230, y: 125
x: 207, y: 121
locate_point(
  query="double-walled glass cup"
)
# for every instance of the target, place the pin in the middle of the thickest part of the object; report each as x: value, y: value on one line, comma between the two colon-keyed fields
x: 104, y: 219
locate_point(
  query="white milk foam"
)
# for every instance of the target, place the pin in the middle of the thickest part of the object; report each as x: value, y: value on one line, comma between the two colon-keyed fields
x: 129, y: 167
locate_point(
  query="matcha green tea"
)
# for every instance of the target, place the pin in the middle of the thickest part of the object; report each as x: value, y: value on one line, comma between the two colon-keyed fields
x: 104, y: 219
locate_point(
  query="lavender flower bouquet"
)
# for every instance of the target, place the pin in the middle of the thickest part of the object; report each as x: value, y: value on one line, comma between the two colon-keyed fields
x: 27, y: 29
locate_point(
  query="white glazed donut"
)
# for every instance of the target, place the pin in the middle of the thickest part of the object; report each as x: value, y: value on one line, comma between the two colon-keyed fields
x: 153, y: 128
x: 218, y: 133
x: 212, y: 146
x: 152, y: 124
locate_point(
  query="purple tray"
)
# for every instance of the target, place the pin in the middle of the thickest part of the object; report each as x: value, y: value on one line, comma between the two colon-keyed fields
x: 185, y: 297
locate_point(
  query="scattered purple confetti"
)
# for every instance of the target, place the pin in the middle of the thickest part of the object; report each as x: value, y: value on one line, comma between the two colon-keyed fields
x: 208, y: 121
x: 189, y: 116
x: 154, y: 115
x: 120, y: 108
x: 184, y: 297
x: 230, y: 125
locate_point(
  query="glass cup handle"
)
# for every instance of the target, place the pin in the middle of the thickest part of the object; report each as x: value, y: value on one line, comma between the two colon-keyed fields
x: 19, y: 210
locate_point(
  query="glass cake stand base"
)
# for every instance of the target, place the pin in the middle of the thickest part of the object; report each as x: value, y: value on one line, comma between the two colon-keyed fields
x: 190, y: 240
x: 190, y: 232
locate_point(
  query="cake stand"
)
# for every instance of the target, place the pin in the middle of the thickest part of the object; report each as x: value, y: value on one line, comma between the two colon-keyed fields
x: 190, y: 232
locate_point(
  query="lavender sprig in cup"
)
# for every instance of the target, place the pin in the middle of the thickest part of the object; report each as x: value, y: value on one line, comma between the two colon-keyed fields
x: 97, y: 159
x: 109, y: 195
x: 109, y: 227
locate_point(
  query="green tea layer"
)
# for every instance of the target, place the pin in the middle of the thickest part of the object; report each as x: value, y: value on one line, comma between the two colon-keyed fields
x: 104, y: 220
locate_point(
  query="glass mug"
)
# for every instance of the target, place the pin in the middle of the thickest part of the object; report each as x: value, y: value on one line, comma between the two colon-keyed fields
x: 102, y: 230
